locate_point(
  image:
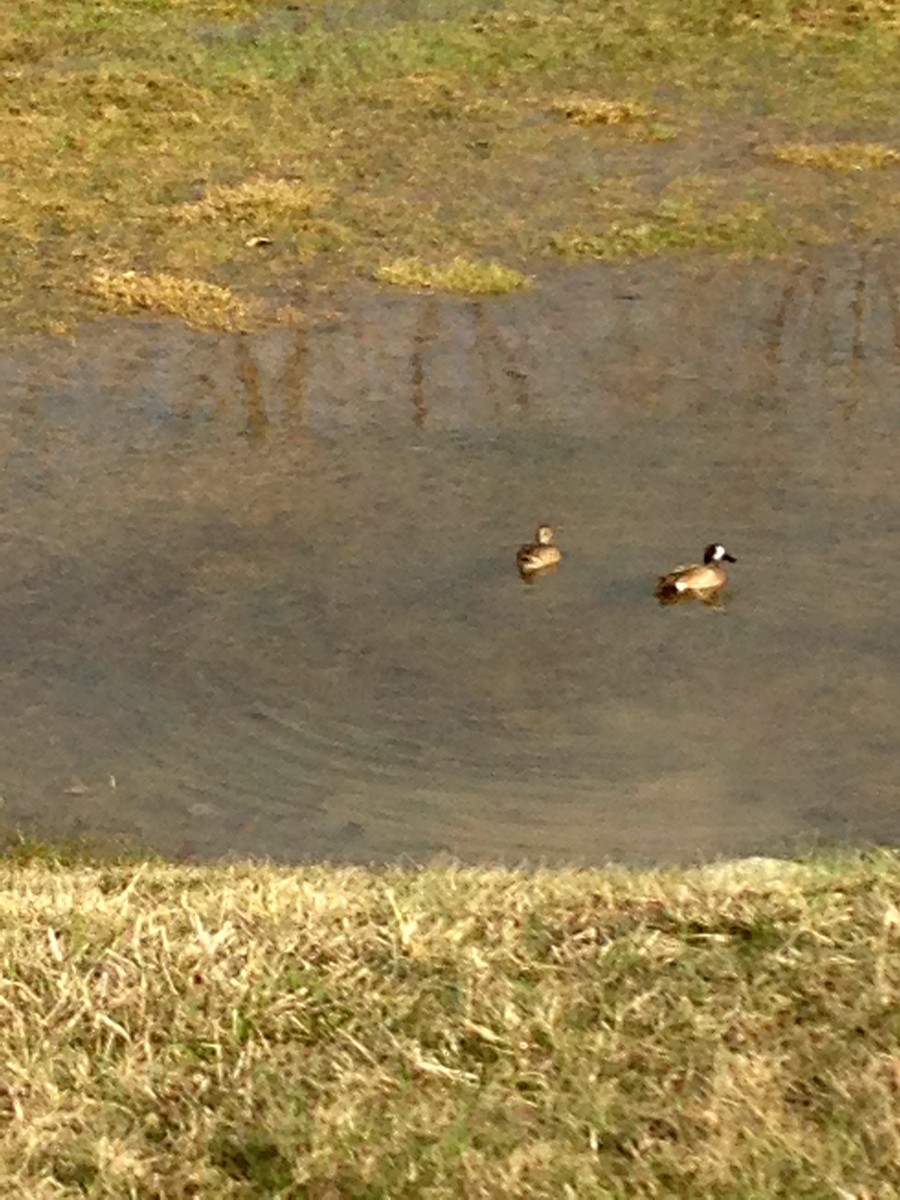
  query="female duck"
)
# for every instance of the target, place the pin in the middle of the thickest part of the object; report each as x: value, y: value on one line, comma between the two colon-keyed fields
x: 540, y: 554
x: 704, y: 580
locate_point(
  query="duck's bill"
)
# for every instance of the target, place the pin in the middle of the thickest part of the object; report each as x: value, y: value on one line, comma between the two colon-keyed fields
x: 729, y: 558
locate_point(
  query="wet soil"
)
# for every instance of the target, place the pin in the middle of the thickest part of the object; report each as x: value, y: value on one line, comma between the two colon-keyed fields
x: 259, y: 592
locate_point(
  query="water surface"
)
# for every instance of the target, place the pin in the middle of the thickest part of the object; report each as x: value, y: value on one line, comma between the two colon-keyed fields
x: 259, y: 594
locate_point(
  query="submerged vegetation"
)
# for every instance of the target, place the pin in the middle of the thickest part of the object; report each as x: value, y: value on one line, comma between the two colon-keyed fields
x: 261, y: 147
x: 748, y: 229
x: 252, y: 1031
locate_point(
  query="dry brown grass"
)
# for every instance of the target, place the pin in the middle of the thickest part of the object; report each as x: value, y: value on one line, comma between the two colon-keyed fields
x: 630, y: 117
x: 257, y: 202
x: 250, y: 1031
x: 200, y: 305
x: 593, y: 110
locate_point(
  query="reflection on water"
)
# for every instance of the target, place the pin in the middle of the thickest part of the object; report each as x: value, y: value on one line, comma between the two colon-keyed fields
x: 259, y: 594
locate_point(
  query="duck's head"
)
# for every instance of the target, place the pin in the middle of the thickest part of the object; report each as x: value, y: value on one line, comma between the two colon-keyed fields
x: 544, y: 535
x: 716, y: 553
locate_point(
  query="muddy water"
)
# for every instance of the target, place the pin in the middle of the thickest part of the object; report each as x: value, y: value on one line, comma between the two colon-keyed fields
x: 258, y: 594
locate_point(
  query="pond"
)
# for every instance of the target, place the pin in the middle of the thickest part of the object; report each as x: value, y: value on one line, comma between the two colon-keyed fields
x: 259, y: 593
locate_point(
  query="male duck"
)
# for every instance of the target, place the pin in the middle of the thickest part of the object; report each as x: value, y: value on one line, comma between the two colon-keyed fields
x: 704, y: 580
x: 540, y: 554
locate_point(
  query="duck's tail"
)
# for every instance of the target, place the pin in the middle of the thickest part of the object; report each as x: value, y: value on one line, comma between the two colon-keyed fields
x: 667, y: 589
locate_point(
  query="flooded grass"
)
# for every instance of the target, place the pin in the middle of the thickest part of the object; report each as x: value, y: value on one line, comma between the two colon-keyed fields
x: 748, y: 230
x: 248, y: 1030
x: 180, y: 138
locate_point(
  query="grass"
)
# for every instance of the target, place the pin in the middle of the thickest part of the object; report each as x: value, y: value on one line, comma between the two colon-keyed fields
x: 838, y: 156
x: 632, y: 117
x: 593, y: 110
x: 264, y: 149
x: 200, y: 305
x: 257, y: 203
x: 460, y: 275
x: 250, y: 1031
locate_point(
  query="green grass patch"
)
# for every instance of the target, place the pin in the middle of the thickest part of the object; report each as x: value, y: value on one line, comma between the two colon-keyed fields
x: 254, y: 1031
x: 182, y: 137
x: 838, y: 156
x: 460, y: 275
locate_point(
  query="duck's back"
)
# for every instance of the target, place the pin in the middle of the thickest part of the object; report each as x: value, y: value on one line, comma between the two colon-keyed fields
x: 700, y: 577
x: 536, y: 556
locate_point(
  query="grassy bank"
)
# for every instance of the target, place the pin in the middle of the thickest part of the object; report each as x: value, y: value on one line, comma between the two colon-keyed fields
x: 250, y: 1031
x: 263, y: 149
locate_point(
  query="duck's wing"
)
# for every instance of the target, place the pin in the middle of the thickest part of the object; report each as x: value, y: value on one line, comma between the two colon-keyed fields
x: 668, y: 580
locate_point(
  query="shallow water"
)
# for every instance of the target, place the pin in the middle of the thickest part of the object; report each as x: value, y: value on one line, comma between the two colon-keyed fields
x: 259, y: 594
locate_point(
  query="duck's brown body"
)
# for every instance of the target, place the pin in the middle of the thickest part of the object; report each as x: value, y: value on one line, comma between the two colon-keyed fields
x: 704, y: 580
x: 539, y: 555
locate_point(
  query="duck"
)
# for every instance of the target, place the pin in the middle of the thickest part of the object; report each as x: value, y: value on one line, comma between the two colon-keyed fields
x: 539, y: 555
x: 703, y: 580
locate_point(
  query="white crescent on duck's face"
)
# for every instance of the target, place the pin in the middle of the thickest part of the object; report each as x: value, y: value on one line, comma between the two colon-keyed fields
x: 716, y: 553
